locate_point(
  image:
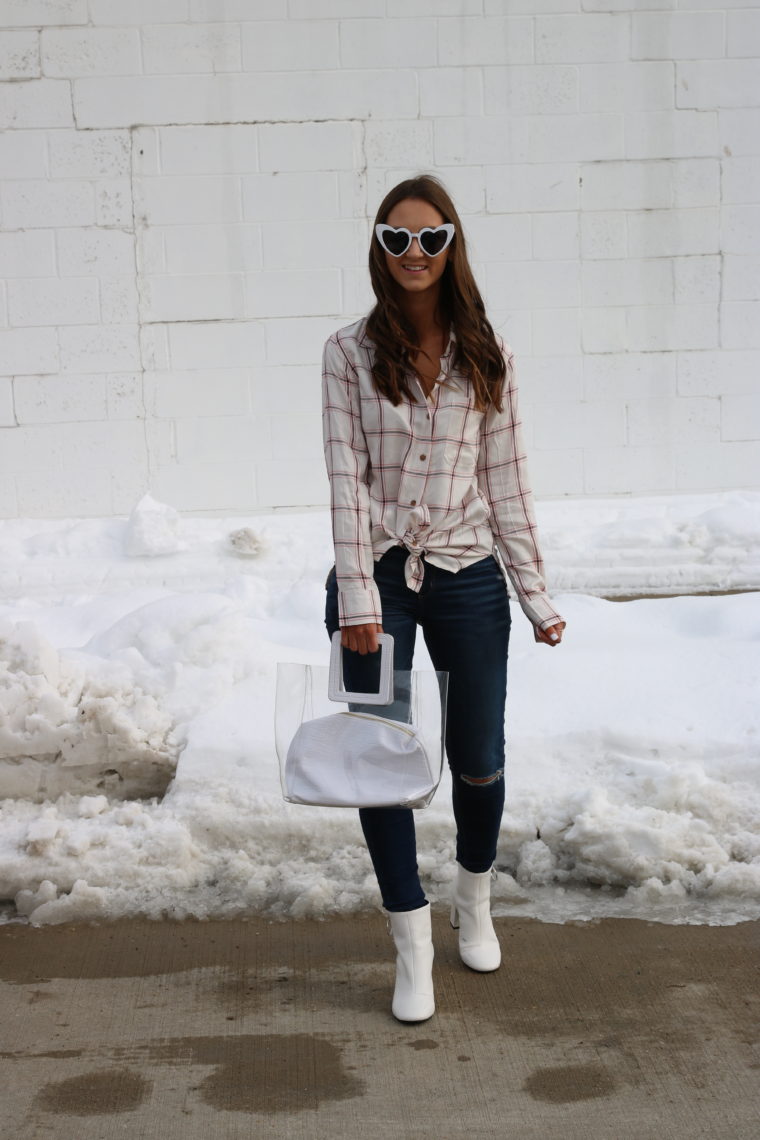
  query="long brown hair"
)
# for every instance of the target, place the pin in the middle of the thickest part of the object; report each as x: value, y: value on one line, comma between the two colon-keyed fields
x: 477, y: 354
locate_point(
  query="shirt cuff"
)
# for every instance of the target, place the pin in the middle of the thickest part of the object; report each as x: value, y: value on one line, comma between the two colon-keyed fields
x: 539, y: 610
x: 357, y: 606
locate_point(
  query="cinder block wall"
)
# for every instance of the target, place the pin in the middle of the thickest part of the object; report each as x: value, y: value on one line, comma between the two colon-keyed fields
x: 186, y: 203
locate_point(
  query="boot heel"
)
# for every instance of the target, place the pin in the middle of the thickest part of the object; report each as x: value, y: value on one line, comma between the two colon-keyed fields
x: 454, y: 916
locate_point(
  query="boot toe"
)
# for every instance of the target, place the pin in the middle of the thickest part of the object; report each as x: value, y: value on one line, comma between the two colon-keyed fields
x: 419, y: 1007
x: 481, y: 958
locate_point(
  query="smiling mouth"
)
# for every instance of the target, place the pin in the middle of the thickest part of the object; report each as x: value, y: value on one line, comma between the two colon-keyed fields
x: 414, y: 268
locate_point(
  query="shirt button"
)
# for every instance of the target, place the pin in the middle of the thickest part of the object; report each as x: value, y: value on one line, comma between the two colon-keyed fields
x: 423, y: 456
x: 413, y: 503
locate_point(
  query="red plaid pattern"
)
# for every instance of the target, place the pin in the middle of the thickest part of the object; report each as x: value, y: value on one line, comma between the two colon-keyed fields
x: 433, y: 475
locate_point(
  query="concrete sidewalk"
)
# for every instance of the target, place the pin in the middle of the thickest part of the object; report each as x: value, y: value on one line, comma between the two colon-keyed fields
x: 618, y: 1030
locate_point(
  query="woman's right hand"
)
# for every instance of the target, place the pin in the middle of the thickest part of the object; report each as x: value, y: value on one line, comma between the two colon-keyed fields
x: 361, y: 638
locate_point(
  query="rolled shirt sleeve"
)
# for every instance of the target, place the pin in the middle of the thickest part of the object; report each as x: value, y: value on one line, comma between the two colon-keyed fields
x: 503, y: 480
x: 347, y: 461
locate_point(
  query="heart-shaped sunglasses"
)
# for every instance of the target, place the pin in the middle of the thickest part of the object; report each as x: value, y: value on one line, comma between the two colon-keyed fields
x: 433, y: 239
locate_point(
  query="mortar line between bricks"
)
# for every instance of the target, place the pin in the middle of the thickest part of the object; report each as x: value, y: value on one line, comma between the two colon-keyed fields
x: 140, y: 301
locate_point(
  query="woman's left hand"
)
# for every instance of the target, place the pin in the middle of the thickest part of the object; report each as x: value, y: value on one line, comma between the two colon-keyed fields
x: 546, y: 634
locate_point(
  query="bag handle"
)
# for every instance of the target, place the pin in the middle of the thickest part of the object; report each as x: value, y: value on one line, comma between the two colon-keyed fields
x: 336, y: 690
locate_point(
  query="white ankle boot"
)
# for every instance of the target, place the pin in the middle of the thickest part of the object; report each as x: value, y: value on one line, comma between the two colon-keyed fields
x: 471, y: 913
x: 413, y: 996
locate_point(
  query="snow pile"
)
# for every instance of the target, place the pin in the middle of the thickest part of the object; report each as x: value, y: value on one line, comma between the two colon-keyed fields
x: 632, y: 749
x: 69, y: 720
x: 153, y: 528
x: 610, y: 546
x: 653, y: 545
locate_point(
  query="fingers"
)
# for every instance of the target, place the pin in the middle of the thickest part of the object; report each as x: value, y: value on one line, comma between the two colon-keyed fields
x: 356, y: 639
x: 550, y: 636
x: 361, y: 638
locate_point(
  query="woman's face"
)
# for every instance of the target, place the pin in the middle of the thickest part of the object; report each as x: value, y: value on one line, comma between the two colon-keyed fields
x: 415, y: 214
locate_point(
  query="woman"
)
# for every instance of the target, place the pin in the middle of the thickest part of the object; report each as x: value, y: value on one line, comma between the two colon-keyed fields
x: 427, y: 472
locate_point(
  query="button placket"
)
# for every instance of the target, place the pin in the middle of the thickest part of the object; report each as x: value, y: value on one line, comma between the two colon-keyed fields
x: 413, y: 481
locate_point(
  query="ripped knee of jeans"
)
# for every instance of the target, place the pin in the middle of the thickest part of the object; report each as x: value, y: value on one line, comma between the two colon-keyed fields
x: 482, y: 781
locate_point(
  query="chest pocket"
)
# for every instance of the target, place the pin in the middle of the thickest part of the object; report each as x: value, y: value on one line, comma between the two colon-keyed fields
x: 458, y: 423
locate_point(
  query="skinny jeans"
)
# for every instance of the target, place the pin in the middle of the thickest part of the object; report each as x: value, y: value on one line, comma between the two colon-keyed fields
x: 465, y: 619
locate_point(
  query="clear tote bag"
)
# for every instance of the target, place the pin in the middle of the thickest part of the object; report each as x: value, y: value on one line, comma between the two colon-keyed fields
x: 385, y: 749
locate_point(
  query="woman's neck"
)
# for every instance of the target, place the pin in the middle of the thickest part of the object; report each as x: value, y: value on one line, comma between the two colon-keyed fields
x: 424, y: 314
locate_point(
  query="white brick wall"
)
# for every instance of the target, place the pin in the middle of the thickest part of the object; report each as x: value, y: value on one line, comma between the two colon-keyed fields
x: 20, y: 55
x: 185, y: 203
x: 90, y: 51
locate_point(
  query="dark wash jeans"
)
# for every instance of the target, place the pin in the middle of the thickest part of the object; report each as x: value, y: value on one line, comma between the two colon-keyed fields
x: 465, y: 619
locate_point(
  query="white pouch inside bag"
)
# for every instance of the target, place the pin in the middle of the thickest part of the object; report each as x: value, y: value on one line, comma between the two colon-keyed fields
x: 385, y: 750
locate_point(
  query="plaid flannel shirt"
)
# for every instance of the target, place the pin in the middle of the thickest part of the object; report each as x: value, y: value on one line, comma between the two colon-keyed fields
x: 432, y: 474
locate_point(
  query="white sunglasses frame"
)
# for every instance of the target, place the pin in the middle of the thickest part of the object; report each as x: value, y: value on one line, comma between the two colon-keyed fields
x: 447, y: 226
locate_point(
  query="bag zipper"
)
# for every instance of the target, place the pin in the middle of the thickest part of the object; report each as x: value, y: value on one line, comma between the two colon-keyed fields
x: 384, y: 720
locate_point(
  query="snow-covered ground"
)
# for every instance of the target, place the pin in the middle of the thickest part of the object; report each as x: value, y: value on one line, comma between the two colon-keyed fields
x: 148, y: 646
